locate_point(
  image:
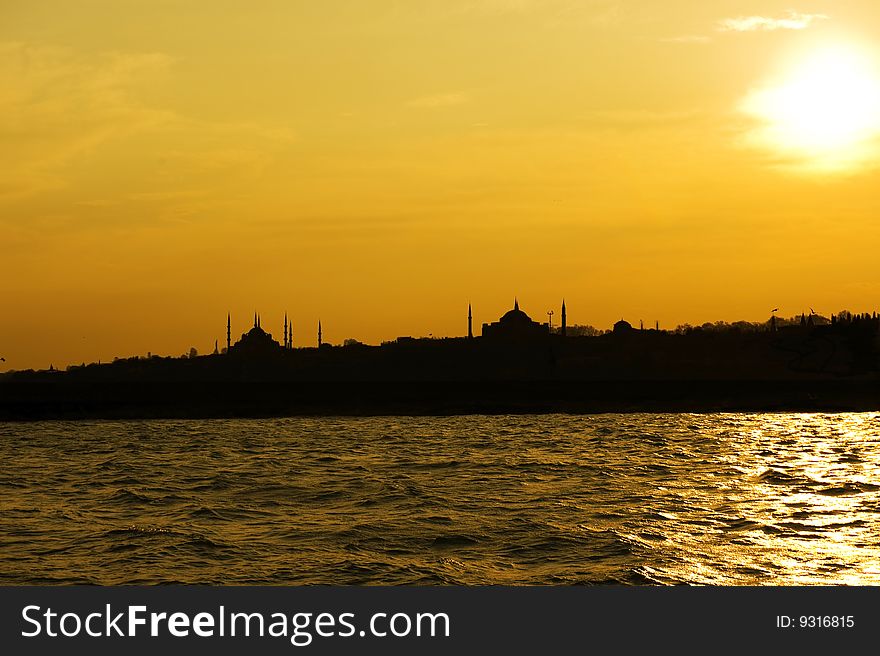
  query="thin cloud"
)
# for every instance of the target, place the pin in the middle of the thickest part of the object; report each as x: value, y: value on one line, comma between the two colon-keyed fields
x: 688, y: 38
x: 59, y: 105
x: 624, y: 119
x: 791, y: 21
x: 438, y: 100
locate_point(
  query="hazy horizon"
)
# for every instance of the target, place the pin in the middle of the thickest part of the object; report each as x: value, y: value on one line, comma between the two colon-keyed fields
x: 379, y: 166
x: 306, y: 340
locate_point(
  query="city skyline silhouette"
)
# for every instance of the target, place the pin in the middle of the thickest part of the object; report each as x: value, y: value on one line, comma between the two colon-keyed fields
x: 376, y: 167
x: 481, y: 328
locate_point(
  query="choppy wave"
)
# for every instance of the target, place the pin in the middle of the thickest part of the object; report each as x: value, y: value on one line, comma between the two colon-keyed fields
x: 730, y: 499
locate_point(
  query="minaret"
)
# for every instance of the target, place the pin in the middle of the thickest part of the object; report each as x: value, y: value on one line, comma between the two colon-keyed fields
x: 319, y: 333
x: 470, y: 323
x: 285, y: 330
x: 216, y: 350
x: 562, y: 330
x: 228, y: 332
x: 290, y: 335
x: 255, y: 319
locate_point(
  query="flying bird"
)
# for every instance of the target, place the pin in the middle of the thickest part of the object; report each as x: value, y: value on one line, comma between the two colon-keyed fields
x: 775, y: 310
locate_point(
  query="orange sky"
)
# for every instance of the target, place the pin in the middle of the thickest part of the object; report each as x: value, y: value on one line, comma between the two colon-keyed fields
x: 379, y: 165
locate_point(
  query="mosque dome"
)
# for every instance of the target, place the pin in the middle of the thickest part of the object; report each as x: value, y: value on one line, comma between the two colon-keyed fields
x: 255, y: 341
x: 516, y: 324
x: 515, y: 316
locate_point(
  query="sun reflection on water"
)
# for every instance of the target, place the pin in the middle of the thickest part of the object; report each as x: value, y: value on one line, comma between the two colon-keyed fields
x: 803, y: 512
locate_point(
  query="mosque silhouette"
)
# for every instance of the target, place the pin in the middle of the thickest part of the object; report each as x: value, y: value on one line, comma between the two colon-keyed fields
x: 513, y: 325
x: 516, y: 365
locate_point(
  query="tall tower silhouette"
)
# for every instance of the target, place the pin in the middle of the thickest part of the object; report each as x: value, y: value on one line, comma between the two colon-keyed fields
x: 319, y: 333
x: 285, y: 330
x: 562, y: 330
x: 228, y: 333
x: 470, y: 323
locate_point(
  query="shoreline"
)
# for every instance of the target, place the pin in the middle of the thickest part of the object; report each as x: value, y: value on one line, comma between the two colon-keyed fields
x: 35, y: 401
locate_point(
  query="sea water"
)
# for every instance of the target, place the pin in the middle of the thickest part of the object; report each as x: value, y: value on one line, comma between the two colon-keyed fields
x: 727, y: 499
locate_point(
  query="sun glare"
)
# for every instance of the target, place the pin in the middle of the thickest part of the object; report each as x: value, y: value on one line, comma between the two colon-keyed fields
x: 826, y: 110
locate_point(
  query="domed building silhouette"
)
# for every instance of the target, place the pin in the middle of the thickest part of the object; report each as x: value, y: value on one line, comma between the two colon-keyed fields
x: 255, y: 342
x: 622, y: 327
x: 515, y: 324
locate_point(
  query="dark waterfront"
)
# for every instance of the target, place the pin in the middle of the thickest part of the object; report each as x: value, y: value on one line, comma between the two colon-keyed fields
x: 730, y: 499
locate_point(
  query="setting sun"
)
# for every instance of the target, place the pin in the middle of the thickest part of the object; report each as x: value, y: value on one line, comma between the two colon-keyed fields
x: 828, y: 107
